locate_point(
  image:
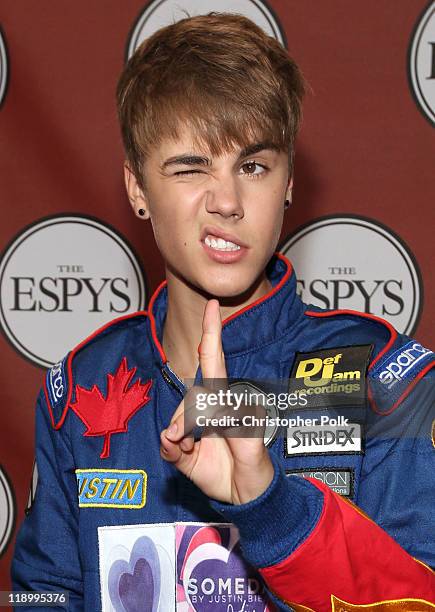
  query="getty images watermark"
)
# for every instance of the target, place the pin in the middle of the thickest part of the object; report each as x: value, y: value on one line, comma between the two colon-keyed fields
x: 247, y: 409
x: 323, y: 418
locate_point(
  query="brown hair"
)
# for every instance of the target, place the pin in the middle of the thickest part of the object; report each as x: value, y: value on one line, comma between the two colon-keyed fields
x: 221, y: 75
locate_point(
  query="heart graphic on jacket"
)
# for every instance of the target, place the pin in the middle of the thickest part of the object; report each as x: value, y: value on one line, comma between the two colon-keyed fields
x: 135, y: 586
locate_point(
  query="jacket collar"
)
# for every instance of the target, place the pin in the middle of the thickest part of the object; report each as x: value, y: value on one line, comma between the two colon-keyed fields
x: 263, y: 321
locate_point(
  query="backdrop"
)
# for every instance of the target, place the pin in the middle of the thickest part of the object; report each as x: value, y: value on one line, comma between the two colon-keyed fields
x: 360, y: 229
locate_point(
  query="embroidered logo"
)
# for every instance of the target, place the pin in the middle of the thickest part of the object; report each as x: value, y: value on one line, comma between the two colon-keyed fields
x: 100, y: 488
x: 402, y: 365
x: 315, y: 440
x: 104, y: 416
x: 339, y: 480
x: 331, y: 377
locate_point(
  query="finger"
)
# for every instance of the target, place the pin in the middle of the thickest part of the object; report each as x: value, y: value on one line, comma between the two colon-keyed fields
x: 173, y: 453
x: 211, y: 354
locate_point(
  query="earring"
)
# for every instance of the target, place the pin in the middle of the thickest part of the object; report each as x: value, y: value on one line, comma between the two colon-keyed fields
x: 141, y: 212
x: 287, y: 204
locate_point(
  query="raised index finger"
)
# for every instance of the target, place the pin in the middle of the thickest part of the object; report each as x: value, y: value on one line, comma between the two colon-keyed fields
x: 211, y: 354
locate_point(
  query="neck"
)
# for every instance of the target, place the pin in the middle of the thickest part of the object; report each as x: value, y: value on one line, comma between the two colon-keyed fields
x: 183, y: 325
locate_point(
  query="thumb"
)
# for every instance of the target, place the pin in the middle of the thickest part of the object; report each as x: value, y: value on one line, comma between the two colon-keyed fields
x: 211, y: 354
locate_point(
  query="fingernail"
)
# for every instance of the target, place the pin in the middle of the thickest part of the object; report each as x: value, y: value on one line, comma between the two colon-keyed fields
x: 172, y: 430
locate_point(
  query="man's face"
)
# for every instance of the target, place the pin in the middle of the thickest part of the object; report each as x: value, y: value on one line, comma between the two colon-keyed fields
x: 216, y: 220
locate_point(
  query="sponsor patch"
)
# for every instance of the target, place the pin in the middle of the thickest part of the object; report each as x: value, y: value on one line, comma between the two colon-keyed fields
x: 331, y: 377
x: 56, y: 385
x: 340, y: 480
x: 181, y: 566
x: 100, y: 488
x: 392, y: 375
x: 328, y: 440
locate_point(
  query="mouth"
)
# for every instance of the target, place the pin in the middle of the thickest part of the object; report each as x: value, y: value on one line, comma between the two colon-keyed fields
x: 218, y: 240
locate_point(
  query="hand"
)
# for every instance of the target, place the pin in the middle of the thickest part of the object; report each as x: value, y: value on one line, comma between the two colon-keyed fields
x: 232, y: 470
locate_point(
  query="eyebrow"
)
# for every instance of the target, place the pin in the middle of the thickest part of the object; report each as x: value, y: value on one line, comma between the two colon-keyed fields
x: 190, y: 159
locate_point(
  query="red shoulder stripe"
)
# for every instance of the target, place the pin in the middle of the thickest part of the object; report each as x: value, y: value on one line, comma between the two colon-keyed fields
x: 393, y: 332
x: 349, y: 556
x: 405, y: 394
x: 71, y: 355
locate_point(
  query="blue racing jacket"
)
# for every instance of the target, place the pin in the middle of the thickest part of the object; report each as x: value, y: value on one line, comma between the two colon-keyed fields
x: 346, y: 522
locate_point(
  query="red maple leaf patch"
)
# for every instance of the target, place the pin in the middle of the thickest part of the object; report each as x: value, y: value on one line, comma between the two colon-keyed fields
x: 109, y: 415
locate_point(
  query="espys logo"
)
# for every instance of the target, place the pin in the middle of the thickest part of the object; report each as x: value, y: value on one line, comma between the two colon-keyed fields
x: 351, y: 262
x: 62, y: 278
x: 7, y: 511
x: 3, y: 67
x: 160, y: 13
x: 421, y: 62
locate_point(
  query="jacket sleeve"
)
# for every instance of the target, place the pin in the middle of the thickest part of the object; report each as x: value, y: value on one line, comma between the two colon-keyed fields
x: 316, y: 551
x: 46, y: 554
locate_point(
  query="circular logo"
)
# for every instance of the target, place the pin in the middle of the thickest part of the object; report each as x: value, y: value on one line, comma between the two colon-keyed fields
x: 351, y: 262
x: 3, y: 67
x: 7, y: 511
x: 421, y: 62
x: 248, y: 389
x: 62, y: 278
x: 160, y: 13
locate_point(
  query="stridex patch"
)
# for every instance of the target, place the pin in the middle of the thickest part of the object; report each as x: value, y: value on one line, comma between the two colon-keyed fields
x: 331, y: 377
x: 340, y: 480
x: 101, y: 488
x: 392, y: 375
x: 340, y: 439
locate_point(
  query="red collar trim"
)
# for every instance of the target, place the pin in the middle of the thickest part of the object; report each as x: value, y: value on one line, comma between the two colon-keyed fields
x: 236, y: 314
x: 68, y: 365
x: 267, y: 295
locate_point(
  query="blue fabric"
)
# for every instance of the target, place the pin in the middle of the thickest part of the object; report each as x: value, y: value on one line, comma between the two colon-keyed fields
x: 295, y: 506
x: 57, y: 545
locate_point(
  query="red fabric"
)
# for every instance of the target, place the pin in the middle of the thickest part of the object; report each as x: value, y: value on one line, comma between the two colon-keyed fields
x: 348, y: 556
x: 109, y: 415
x: 393, y: 332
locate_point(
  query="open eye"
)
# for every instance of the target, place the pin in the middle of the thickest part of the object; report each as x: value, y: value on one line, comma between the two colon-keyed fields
x: 253, y: 168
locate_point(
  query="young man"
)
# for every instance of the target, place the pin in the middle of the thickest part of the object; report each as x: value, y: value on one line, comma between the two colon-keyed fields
x: 209, y: 109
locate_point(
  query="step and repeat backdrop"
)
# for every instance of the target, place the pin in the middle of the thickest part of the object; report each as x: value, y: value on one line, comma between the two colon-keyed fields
x: 73, y: 256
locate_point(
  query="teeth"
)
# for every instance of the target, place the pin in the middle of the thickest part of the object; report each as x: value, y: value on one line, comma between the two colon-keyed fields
x: 220, y: 244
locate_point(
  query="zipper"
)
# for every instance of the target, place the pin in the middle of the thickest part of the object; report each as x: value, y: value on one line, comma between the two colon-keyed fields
x: 173, y: 380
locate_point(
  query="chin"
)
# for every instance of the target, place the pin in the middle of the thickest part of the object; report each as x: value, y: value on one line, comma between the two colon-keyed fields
x: 231, y: 286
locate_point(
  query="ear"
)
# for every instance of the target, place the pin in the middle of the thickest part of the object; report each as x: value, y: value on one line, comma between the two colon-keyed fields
x: 289, y: 190
x: 136, y: 194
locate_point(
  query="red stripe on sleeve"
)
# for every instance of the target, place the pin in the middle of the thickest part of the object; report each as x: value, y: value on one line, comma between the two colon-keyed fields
x: 347, y: 555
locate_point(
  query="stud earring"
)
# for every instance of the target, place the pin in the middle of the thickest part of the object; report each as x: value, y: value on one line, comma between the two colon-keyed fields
x: 141, y: 212
x: 287, y: 204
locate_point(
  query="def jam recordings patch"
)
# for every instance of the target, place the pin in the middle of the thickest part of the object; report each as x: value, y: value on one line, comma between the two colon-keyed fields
x: 101, y: 488
x: 331, y: 377
x: 343, y: 439
x: 392, y: 375
x: 340, y: 480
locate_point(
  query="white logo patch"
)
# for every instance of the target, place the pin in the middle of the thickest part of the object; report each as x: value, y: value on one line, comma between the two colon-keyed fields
x: 61, y: 279
x: 160, y: 13
x: 7, y: 511
x: 422, y: 62
x: 351, y: 262
x: 331, y: 439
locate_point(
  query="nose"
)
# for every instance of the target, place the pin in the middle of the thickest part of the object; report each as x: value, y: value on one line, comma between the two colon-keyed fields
x: 224, y: 199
